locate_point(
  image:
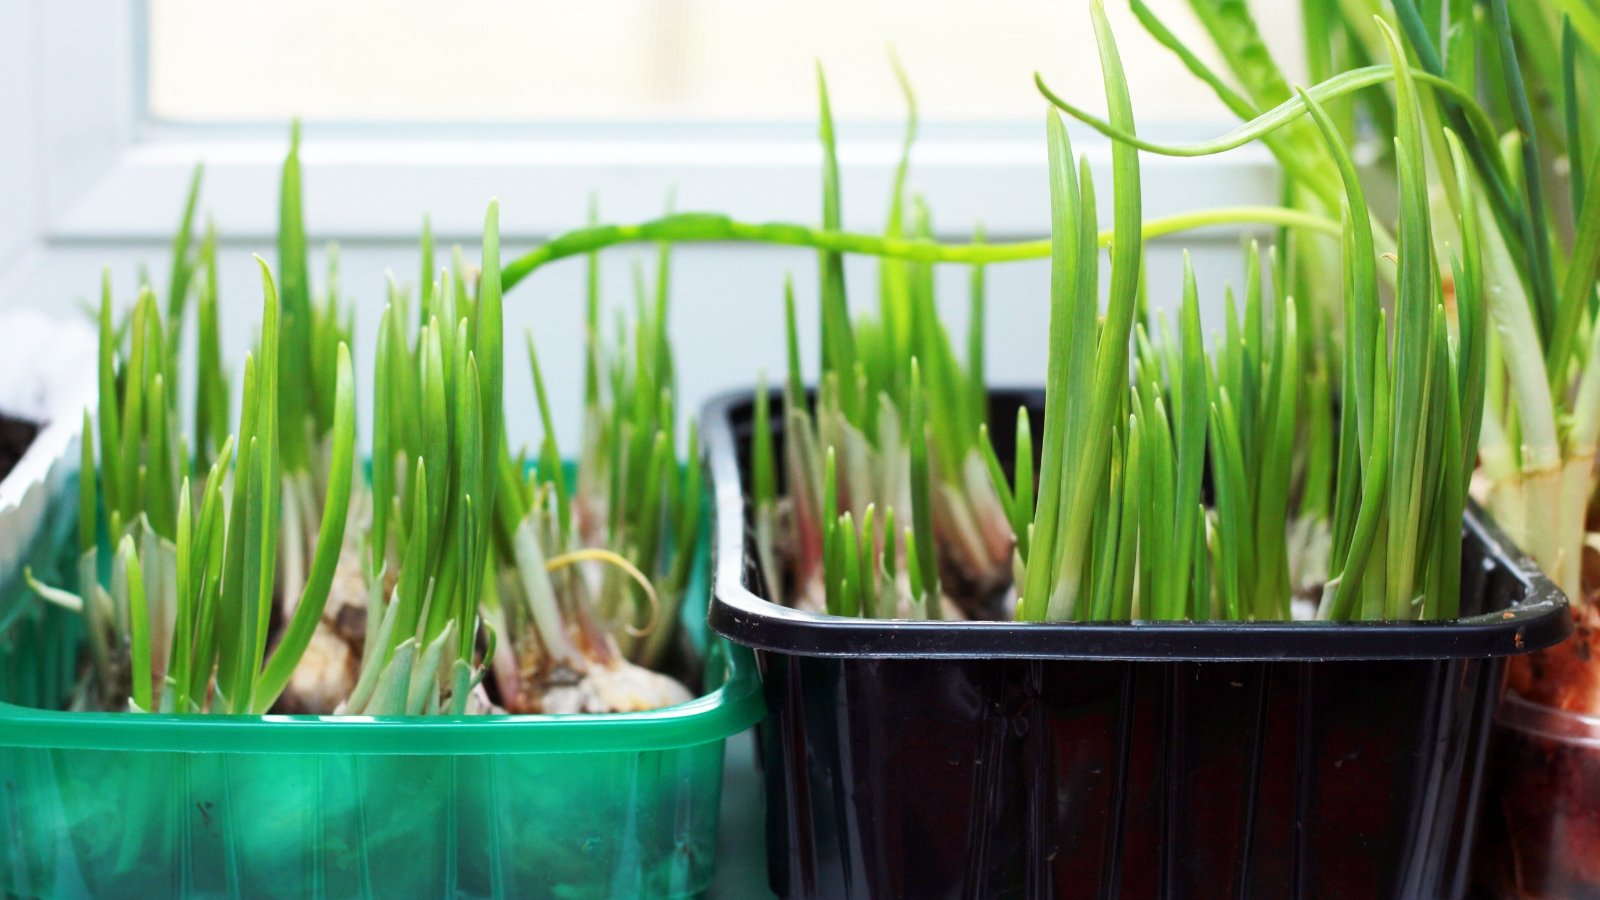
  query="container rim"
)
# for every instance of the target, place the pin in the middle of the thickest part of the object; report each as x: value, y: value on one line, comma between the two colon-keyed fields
x: 720, y: 713
x: 1538, y: 621
x: 72, y: 390
x: 1518, y: 713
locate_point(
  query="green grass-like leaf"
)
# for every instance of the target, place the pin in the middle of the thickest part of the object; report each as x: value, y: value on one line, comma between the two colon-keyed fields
x: 330, y: 542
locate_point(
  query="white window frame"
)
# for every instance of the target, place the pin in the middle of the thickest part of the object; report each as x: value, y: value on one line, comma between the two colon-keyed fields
x: 88, y: 164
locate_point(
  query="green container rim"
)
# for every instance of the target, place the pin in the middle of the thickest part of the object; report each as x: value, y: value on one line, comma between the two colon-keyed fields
x: 719, y: 714
x: 731, y: 707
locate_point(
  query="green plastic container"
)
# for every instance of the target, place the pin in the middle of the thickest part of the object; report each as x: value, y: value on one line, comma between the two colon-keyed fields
x: 107, y: 804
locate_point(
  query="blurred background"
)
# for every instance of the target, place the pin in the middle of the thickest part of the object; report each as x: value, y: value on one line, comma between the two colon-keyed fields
x: 413, y: 108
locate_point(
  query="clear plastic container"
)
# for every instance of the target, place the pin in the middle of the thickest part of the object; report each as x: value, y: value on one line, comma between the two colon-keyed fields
x: 1543, y: 833
x: 110, y: 804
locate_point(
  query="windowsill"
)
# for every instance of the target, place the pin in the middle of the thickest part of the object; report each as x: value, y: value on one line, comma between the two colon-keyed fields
x: 373, y: 183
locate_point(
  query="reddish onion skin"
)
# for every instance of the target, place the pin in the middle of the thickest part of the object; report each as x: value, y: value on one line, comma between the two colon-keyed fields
x: 1567, y: 676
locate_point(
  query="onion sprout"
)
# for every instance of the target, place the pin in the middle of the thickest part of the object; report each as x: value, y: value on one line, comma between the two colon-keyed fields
x: 1176, y: 477
x: 894, y: 432
x: 183, y: 626
x: 1501, y: 120
x: 587, y: 638
x: 708, y: 227
x: 235, y: 584
x: 1401, y: 474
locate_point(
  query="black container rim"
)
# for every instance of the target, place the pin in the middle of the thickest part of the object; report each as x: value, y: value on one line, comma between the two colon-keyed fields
x: 1538, y: 621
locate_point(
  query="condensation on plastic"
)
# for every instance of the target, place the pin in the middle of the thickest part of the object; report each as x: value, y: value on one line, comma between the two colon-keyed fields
x: 1542, y: 828
x: 112, y: 804
x: 934, y: 759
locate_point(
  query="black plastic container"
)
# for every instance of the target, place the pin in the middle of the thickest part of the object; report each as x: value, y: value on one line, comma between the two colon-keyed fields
x: 994, y: 759
x: 16, y: 435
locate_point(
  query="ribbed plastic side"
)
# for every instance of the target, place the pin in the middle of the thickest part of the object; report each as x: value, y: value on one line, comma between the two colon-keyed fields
x: 39, y: 641
x: 1019, y: 778
x: 109, y: 824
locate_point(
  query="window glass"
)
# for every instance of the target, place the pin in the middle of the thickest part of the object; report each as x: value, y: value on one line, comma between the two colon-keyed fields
x: 655, y: 60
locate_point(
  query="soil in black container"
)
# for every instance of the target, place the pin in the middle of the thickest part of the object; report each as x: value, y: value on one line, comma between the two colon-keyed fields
x: 15, y: 437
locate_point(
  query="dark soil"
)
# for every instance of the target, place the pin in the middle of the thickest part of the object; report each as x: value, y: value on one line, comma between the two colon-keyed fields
x: 15, y: 437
